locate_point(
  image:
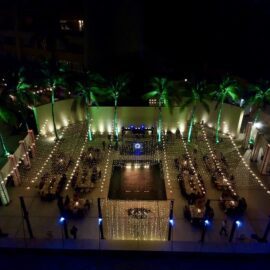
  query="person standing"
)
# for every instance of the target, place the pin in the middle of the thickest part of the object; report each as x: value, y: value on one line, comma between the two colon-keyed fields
x: 2, y: 235
x: 224, y: 229
x: 73, y: 231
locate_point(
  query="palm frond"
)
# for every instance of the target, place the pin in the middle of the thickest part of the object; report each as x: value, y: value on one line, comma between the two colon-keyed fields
x: 186, y: 104
x: 7, y: 117
x: 205, y: 105
x: 151, y: 94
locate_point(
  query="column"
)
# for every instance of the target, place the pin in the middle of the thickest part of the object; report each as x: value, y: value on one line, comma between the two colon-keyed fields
x: 14, y: 172
x: 247, y: 135
x: 25, y: 156
x: 4, y: 198
x: 265, y: 161
x: 33, y: 144
x: 254, y: 154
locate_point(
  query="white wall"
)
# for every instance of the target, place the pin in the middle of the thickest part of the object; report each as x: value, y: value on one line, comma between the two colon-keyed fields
x: 103, y: 116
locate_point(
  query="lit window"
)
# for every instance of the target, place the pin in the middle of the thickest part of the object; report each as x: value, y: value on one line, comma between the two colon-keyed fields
x: 81, y: 24
x: 152, y: 102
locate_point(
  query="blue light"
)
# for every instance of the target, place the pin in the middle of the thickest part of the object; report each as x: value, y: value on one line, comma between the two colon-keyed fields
x: 61, y: 220
x: 142, y: 126
x: 238, y: 223
x: 171, y: 222
x: 99, y: 221
x: 206, y: 222
x: 137, y: 146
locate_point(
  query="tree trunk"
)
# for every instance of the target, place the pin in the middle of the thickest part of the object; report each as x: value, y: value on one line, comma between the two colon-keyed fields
x: 4, y: 149
x: 115, y: 124
x: 54, y: 126
x: 191, y: 124
x: 251, y: 139
x: 89, y: 133
x: 23, y: 111
x: 257, y: 116
x: 218, y: 123
x: 36, y: 117
x: 159, y: 122
x: 4, y: 198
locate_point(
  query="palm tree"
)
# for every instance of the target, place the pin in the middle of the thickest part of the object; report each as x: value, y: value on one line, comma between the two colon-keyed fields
x: 163, y: 91
x: 195, y: 94
x: 226, y: 89
x: 53, y: 79
x: 24, y: 97
x: 88, y: 89
x: 7, y: 117
x: 259, y: 100
x: 115, y: 89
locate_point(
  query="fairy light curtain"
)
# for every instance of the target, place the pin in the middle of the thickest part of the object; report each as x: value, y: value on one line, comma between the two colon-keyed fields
x: 135, y: 220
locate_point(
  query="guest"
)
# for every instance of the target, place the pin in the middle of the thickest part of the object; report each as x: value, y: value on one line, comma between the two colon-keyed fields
x: 223, y: 229
x: 75, y: 197
x: 67, y: 201
x: 64, y: 178
x: 2, y: 235
x: 60, y: 204
x: 73, y: 231
x: 87, y: 204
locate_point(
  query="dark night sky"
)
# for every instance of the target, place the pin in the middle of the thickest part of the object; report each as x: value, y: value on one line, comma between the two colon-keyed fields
x: 181, y: 36
x: 230, y: 35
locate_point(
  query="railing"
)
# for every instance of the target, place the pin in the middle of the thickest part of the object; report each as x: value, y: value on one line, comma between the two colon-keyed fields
x: 250, y: 235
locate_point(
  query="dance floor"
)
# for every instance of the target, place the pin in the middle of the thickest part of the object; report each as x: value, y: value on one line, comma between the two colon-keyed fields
x: 137, y: 183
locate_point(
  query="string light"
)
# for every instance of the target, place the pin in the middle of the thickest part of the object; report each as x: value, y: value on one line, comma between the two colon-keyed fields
x: 121, y: 223
x: 217, y: 163
x: 107, y: 162
x: 78, y: 161
x: 24, y: 156
x: 247, y: 166
x: 42, y: 91
x: 42, y: 130
x: 49, y: 156
x: 200, y: 184
x: 166, y: 162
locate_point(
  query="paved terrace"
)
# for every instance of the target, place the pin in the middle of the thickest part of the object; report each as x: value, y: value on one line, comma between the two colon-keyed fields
x: 44, y: 215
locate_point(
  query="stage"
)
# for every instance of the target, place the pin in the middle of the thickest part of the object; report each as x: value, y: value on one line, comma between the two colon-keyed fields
x: 137, y: 181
